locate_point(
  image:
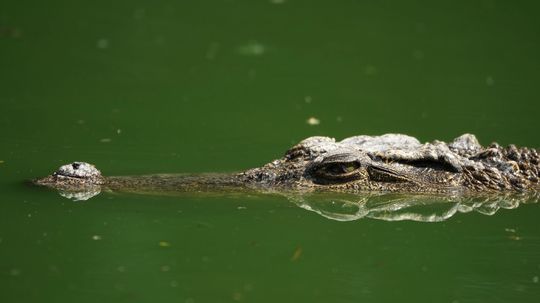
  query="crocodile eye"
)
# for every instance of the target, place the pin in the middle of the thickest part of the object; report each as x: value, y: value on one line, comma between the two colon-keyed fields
x: 337, y: 171
x: 341, y: 168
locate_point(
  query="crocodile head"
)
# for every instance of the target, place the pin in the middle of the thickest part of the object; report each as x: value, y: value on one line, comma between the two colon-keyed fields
x: 390, y: 162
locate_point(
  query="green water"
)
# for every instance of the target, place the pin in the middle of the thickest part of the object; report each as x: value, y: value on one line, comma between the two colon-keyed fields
x: 141, y: 87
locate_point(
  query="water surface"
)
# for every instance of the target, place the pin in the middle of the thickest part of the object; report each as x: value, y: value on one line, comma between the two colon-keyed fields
x: 221, y: 86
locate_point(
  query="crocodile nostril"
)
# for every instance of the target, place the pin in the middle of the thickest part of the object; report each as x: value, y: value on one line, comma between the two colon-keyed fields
x: 76, y: 165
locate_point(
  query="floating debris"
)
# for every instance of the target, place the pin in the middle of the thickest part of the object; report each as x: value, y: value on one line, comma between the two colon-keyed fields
x: 118, y: 131
x: 308, y: 99
x: 241, y: 207
x: 277, y: 1
x: 164, y: 244
x: 514, y: 237
x: 1, y: 161
x: 297, y: 253
x: 313, y: 121
x: 105, y: 140
x: 96, y: 237
x: 252, y: 48
x: 535, y: 279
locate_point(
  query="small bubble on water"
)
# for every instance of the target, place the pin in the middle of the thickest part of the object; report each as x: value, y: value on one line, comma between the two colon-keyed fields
x: 535, y: 279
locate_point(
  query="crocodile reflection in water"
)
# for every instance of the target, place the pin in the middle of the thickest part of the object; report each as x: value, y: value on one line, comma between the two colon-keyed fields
x: 361, y: 164
x: 414, y: 207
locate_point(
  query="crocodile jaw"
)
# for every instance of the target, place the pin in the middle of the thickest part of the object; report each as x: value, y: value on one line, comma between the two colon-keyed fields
x: 75, y: 177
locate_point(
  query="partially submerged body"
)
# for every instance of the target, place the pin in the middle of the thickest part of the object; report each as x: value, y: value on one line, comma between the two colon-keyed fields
x: 389, y: 177
x: 387, y: 163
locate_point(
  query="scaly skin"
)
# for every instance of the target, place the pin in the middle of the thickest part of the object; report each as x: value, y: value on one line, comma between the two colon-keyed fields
x: 399, y: 163
x: 388, y: 163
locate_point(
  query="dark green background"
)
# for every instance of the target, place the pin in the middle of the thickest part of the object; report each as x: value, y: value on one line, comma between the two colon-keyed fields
x: 192, y: 86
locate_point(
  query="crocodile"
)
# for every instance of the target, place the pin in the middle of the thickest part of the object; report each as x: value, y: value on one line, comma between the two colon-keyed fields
x: 389, y: 163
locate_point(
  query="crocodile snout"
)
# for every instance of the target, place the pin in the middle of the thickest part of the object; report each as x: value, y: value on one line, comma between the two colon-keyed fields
x: 74, y: 175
